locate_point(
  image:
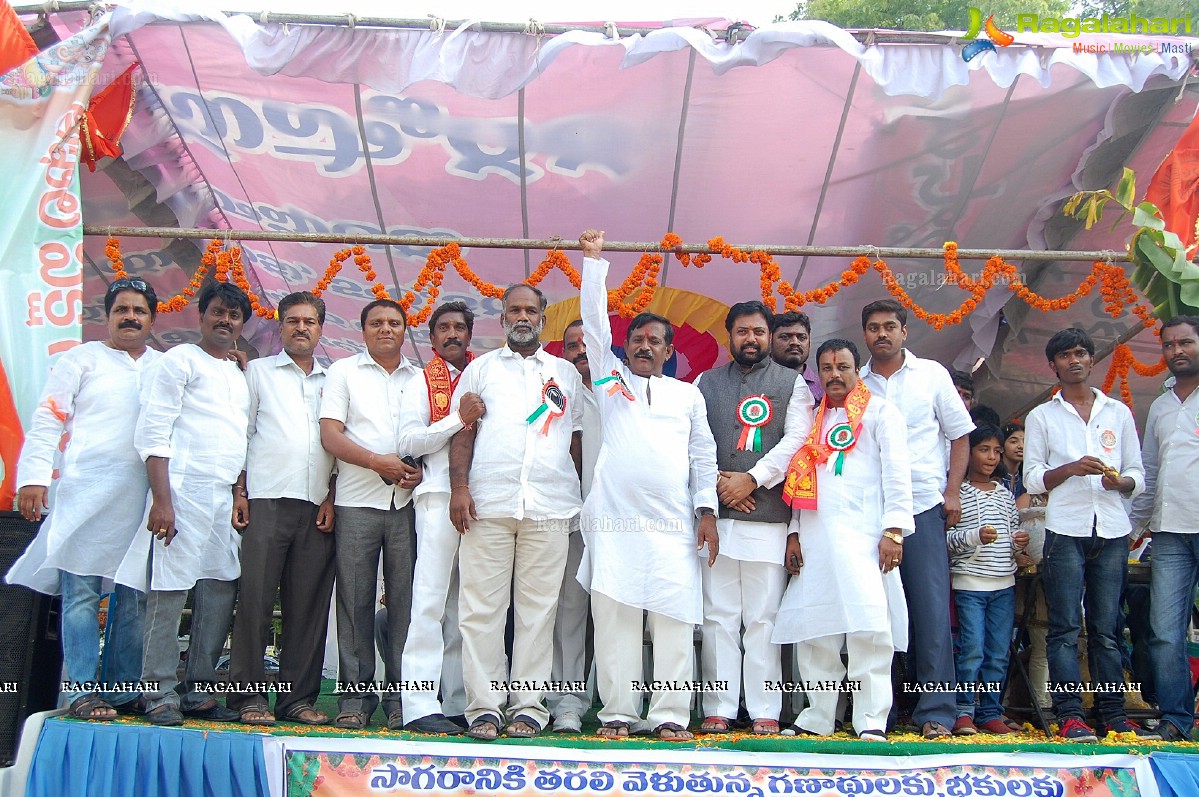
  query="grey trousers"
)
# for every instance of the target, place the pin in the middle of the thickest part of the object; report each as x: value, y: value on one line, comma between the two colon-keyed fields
x: 362, y: 534
x: 212, y: 612
x: 282, y: 550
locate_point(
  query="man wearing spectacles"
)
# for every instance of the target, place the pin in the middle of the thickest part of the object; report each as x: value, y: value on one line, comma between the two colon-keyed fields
x: 192, y: 435
x: 87, y: 400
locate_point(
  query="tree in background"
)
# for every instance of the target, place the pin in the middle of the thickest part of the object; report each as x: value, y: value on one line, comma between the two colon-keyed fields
x: 930, y: 15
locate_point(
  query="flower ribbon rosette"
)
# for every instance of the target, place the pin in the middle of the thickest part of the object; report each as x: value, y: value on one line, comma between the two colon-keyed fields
x: 753, y: 412
x: 553, y: 405
x: 839, y: 439
x: 616, y: 384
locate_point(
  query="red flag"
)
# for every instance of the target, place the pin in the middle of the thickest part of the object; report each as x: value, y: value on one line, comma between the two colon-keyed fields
x: 1175, y: 186
x: 11, y: 438
x: 106, y: 118
x: 16, y: 45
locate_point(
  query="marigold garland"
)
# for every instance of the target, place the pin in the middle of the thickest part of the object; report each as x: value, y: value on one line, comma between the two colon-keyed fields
x: 1115, y: 289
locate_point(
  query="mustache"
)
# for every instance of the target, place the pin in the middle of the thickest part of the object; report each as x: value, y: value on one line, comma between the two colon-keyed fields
x: 130, y: 323
x: 580, y: 358
x: 452, y: 342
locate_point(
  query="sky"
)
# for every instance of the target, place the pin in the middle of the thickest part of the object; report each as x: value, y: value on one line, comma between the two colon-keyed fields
x: 756, y: 12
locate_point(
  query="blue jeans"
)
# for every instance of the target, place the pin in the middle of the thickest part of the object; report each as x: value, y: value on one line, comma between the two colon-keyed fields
x: 81, y: 636
x: 1173, y: 576
x: 985, y: 622
x: 1092, y: 569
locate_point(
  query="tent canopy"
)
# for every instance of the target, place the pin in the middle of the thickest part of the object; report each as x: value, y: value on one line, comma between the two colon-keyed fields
x: 798, y: 134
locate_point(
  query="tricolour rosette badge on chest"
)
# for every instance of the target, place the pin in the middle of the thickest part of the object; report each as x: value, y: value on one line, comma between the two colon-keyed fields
x: 553, y: 405
x: 753, y: 412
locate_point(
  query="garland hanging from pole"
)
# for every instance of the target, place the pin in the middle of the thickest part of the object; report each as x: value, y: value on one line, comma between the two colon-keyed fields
x: 1114, y: 287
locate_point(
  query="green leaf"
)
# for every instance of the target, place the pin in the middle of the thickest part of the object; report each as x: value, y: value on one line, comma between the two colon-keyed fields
x: 1093, y: 212
x: 1146, y: 248
x: 1126, y: 191
x: 1146, y: 215
x: 1072, y: 203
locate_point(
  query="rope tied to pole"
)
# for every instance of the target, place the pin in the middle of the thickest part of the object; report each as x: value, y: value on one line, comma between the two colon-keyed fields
x: 436, y: 24
x: 611, y: 31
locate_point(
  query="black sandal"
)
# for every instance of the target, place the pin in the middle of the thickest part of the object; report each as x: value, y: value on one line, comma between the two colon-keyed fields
x: 526, y: 720
x: 84, y: 706
x: 477, y: 729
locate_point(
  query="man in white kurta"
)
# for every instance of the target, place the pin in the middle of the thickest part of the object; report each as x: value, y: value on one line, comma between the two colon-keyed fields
x: 655, y: 475
x: 87, y: 401
x: 850, y: 486
x: 432, y: 656
x: 573, y: 694
x: 192, y: 434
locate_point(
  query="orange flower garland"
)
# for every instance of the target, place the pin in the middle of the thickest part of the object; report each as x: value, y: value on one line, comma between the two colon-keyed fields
x: 1115, y: 289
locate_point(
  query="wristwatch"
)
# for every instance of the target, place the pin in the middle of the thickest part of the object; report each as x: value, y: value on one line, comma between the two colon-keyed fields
x: 705, y: 511
x: 894, y: 537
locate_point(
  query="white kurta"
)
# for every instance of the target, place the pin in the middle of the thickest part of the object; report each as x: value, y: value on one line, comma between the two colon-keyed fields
x: 656, y: 467
x: 195, y: 411
x: 91, y: 397
x: 840, y: 588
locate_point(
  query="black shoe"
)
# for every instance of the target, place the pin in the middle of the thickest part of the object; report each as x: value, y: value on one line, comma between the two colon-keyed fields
x: 1125, y: 725
x: 213, y: 713
x: 458, y: 719
x: 1170, y: 733
x: 434, y: 723
x: 167, y: 714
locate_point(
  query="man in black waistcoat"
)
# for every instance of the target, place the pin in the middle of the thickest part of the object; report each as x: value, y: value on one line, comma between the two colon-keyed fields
x: 759, y: 412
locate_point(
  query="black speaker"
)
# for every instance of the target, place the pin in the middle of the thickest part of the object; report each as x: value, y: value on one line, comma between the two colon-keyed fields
x: 30, y: 648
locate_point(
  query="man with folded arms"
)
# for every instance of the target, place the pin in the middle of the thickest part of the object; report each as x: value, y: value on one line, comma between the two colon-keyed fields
x: 433, y: 650
x: 759, y: 412
x: 652, y: 506
x: 90, y: 398
x: 192, y: 435
x: 284, y: 496
x: 514, y: 486
x: 360, y: 425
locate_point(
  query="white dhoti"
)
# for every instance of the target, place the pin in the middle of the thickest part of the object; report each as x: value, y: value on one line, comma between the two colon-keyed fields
x: 433, y: 649
x: 742, y: 594
x: 620, y: 676
x: 570, y: 638
x: 869, y: 679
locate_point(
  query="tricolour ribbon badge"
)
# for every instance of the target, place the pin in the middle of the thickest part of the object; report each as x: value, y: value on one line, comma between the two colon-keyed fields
x: 754, y: 412
x: 553, y: 405
x: 840, y: 439
x: 616, y: 384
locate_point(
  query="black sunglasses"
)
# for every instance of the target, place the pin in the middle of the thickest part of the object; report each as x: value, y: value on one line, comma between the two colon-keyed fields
x: 141, y: 286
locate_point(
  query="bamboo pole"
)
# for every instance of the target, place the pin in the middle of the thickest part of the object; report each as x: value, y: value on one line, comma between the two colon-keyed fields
x: 866, y: 36
x: 570, y: 244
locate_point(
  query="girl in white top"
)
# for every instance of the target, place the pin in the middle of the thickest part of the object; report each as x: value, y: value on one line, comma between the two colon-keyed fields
x: 983, y: 548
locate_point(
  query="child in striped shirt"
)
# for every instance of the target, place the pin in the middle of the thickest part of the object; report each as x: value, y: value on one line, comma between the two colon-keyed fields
x: 982, y: 560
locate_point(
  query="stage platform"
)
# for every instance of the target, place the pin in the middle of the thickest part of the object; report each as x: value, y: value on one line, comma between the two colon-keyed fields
x: 206, y: 759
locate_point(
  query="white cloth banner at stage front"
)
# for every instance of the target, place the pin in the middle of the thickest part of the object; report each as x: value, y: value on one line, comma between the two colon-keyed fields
x: 359, y: 766
x: 799, y: 134
x: 41, y: 232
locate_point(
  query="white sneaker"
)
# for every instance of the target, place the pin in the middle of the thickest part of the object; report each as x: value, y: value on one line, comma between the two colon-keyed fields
x: 568, y: 722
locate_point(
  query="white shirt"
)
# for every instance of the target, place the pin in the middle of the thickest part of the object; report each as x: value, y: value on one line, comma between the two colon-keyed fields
x: 419, y: 438
x: 1055, y: 435
x: 592, y: 438
x: 285, y: 457
x: 195, y: 410
x: 924, y: 394
x: 516, y: 472
x: 1171, y: 448
x: 362, y: 395
x: 90, y: 399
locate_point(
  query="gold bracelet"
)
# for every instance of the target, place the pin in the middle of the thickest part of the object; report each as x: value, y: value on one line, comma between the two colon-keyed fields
x: 894, y: 537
